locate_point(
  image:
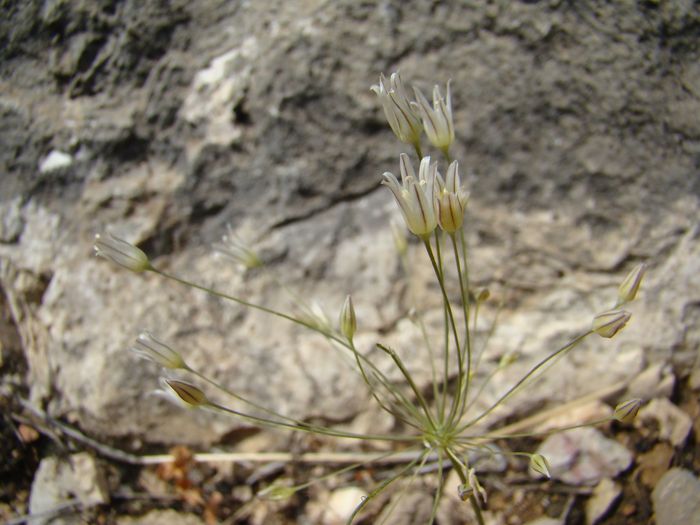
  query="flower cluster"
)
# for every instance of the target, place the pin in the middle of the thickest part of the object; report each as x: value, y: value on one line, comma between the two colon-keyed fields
x: 445, y: 427
x: 408, y: 118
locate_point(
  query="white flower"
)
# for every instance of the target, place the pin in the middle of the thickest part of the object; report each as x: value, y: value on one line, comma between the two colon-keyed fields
x: 121, y: 252
x: 415, y: 195
x: 450, y: 200
x: 234, y: 248
x: 397, y: 108
x: 437, y: 120
x: 150, y: 348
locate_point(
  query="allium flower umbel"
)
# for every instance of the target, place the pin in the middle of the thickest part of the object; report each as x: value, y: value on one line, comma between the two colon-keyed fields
x: 398, y: 111
x: 415, y: 195
x: 450, y: 200
x: 121, y: 252
x: 437, y: 120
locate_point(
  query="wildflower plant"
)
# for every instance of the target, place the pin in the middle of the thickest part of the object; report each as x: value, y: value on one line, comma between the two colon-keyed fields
x: 442, y: 424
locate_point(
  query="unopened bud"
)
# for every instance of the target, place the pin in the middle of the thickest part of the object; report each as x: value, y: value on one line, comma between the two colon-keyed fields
x: 348, y: 321
x: 121, y: 252
x: 626, y: 411
x: 483, y: 295
x: 186, y: 393
x: 148, y: 347
x: 609, y: 323
x: 540, y: 465
x: 630, y: 286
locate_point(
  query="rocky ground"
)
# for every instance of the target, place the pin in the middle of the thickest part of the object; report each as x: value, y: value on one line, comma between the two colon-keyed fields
x: 578, y: 134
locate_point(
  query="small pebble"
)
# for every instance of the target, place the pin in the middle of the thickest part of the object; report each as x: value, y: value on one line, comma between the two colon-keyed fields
x: 676, y: 498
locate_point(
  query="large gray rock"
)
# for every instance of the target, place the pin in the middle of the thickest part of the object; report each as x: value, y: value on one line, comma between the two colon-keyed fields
x: 578, y: 142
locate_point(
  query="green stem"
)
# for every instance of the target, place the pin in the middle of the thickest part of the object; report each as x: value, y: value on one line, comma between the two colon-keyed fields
x: 446, y: 301
x: 384, y: 485
x: 424, y: 333
x: 374, y: 394
x: 459, y: 468
x: 522, y: 380
x: 463, y: 381
x: 489, y: 436
x: 304, y: 427
x: 254, y: 306
x: 410, y: 381
x: 419, y: 152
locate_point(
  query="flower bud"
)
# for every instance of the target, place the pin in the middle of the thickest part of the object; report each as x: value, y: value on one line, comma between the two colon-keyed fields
x: 626, y: 411
x: 148, y: 347
x: 483, y: 295
x: 609, y: 323
x: 121, y: 252
x: 182, y: 392
x: 630, y: 286
x: 348, y: 321
x: 540, y: 465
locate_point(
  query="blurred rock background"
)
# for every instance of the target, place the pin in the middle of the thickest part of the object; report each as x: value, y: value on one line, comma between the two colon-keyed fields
x: 578, y: 133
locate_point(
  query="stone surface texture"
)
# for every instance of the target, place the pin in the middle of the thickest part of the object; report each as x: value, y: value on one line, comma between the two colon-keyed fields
x: 677, y: 498
x: 77, y: 478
